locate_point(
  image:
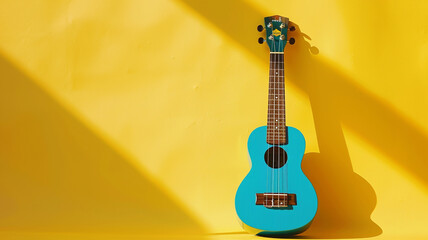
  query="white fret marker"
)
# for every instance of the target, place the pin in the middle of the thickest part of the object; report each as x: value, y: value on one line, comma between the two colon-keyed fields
x: 276, y: 120
x: 276, y: 97
x: 276, y: 73
x: 276, y: 127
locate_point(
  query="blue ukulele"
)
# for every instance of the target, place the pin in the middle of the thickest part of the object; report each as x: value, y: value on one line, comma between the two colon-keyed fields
x: 276, y: 198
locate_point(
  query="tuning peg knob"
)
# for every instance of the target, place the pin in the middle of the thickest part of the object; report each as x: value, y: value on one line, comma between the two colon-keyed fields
x: 261, y: 40
x: 291, y: 41
x: 260, y: 28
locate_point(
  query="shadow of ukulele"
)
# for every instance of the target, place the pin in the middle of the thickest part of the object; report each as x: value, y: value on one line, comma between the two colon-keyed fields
x: 346, y: 200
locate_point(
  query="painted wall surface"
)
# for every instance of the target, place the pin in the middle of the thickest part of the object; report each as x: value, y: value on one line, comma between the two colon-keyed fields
x: 131, y: 117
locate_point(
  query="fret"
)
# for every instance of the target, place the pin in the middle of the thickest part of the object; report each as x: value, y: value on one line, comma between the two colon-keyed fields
x: 277, y: 57
x: 280, y: 70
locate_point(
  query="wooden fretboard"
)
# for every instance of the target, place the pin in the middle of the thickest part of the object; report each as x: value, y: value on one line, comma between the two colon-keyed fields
x: 276, y: 128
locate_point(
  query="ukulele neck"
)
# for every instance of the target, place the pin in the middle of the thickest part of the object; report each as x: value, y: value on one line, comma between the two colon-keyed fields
x: 276, y: 127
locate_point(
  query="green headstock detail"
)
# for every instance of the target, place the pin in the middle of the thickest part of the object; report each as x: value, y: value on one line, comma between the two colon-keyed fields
x: 276, y: 33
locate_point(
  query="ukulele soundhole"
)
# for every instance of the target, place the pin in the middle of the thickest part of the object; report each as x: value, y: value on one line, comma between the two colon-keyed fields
x: 275, y: 157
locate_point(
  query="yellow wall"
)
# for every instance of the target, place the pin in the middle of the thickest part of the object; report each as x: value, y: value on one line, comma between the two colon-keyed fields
x: 132, y: 116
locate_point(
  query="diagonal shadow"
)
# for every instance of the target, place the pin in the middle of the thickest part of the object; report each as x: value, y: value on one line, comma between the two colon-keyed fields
x: 57, y: 175
x: 346, y: 199
x: 370, y: 117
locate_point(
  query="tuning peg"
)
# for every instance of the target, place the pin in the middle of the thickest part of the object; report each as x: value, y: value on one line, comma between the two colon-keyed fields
x: 261, y: 40
x: 260, y: 28
x: 292, y: 28
x: 291, y: 41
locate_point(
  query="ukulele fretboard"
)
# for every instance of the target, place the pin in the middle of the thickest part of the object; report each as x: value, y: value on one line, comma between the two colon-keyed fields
x: 276, y: 128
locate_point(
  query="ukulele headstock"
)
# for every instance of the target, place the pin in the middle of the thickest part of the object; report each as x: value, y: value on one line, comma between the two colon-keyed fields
x: 276, y: 33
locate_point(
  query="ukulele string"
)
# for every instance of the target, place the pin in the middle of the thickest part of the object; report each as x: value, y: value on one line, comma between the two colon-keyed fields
x: 283, y: 123
x: 268, y: 127
x: 285, y: 126
x: 274, y: 113
x: 278, y: 64
x: 279, y: 119
x: 277, y: 113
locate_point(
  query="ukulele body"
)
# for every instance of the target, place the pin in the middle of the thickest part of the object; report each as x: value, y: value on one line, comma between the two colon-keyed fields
x: 284, y: 221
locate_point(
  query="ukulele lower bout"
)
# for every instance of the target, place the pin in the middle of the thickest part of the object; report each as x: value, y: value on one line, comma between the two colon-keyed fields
x: 269, y: 205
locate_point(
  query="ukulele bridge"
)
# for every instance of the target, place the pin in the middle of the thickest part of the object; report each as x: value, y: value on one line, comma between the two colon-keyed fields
x: 276, y: 200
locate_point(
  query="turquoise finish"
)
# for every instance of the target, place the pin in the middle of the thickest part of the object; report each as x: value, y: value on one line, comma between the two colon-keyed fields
x: 276, y: 44
x: 263, y: 221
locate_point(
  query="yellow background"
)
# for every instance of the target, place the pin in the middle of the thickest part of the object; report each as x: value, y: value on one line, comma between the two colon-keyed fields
x: 130, y: 118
